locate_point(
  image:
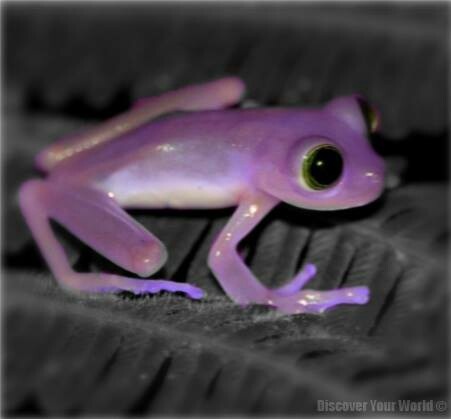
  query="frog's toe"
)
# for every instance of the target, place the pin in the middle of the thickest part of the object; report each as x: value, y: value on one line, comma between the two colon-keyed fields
x: 320, y: 301
x: 193, y: 292
x: 293, y: 286
x: 356, y: 295
x: 154, y: 286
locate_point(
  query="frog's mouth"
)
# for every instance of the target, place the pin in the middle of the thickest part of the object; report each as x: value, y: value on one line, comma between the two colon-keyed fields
x: 345, y: 195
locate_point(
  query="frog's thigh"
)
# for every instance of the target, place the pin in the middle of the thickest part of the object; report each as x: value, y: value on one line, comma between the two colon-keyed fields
x: 98, y: 221
x: 217, y: 94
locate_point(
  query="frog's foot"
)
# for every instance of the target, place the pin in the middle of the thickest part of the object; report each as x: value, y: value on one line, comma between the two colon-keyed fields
x: 153, y: 286
x: 313, y: 301
x: 289, y: 298
x: 103, y: 282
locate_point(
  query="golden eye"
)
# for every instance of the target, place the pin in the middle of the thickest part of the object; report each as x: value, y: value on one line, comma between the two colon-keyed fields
x: 322, y: 166
x: 370, y: 115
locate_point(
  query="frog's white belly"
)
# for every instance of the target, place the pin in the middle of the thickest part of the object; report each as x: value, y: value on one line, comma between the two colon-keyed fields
x: 189, y: 177
x: 172, y: 192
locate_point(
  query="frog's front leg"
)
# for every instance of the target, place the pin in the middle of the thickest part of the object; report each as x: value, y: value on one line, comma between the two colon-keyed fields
x: 234, y: 276
x: 98, y: 221
x: 241, y: 285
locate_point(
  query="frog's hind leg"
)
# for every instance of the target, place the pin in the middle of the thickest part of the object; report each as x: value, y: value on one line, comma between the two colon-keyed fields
x: 217, y: 94
x: 98, y: 221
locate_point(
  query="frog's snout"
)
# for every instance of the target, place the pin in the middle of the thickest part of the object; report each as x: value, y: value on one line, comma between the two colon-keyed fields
x: 374, y: 180
x: 375, y: 173
x: 373, y: 177
x: 367, y: 184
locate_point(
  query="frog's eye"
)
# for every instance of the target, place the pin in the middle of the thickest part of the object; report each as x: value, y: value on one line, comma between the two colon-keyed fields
x: 321, y: 167
x: 370, y: 115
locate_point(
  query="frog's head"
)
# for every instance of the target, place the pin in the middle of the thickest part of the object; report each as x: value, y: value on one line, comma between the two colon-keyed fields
x: 330, y: 164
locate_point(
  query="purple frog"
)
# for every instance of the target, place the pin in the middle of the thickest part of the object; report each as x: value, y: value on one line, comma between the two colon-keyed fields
x: 189, y: 149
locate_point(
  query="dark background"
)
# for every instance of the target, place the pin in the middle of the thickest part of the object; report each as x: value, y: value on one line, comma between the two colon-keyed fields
x: 71, y: 65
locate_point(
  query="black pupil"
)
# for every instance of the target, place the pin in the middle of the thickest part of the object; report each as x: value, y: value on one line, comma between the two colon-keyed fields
x: 326, y: 166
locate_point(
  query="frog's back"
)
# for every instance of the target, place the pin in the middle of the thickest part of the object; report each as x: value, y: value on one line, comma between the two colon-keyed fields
x: 190, y: 133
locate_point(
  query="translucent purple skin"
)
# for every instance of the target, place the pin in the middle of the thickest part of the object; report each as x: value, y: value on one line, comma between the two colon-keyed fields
x: 206, y: 157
